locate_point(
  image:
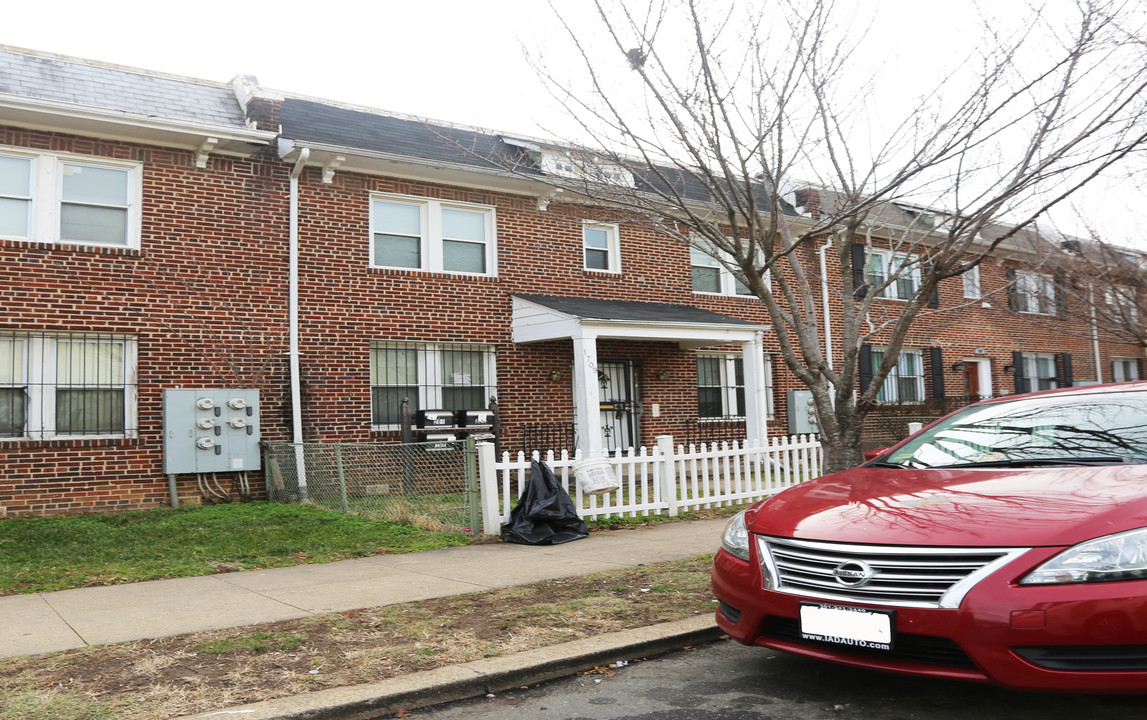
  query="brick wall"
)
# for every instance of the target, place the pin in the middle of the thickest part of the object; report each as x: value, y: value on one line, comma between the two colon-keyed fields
x: 205, y: 296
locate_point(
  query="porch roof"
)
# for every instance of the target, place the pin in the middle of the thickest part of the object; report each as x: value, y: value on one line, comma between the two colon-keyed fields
x: 538, y: 318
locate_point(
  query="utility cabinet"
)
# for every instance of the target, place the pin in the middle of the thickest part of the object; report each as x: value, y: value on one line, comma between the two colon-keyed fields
x: 210, y: 431
x: 802, y: 413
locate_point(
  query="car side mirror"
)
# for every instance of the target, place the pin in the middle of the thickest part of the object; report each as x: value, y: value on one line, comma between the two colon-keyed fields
x: 873, y: 454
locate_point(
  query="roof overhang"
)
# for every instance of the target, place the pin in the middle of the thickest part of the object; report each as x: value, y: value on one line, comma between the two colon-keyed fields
x: 82, y: 120
x: 542, y: 318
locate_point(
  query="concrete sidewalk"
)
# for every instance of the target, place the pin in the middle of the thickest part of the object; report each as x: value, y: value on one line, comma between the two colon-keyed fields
x: 50, y: 622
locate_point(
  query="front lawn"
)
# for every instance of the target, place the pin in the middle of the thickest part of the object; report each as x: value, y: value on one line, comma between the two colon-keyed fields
x: 54, y: 553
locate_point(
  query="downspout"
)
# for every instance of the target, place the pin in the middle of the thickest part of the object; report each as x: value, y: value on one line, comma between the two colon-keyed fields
x: 824, y: 301
x: 293, y: 327
x: 1095, y: 334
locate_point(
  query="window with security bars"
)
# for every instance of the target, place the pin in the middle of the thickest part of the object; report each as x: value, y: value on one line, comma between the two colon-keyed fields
x: 67, y: 385
x: 905, y: 382
x: 720, y: 386
x: 429, y: 376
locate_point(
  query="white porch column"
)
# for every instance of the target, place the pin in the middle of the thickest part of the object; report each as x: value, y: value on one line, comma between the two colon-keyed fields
x: 757, y: 412
x: 588, y: 395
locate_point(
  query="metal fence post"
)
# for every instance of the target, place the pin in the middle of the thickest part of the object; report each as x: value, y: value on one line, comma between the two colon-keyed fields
x: 668, y: 473
x: 342, y: 478
x: 473, y: 490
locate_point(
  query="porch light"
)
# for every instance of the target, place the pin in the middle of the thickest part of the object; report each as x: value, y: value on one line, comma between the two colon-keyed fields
x: 958, y: 366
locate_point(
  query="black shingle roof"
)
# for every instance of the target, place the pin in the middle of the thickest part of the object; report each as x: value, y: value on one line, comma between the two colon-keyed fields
x: 309, y: 121
x: 628, y: 310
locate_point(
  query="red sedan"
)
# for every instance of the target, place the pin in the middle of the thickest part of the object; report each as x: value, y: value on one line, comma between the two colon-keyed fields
x: 1004, y: 543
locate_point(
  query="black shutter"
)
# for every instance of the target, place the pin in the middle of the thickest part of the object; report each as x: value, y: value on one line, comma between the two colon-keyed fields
x: 864, y: 364
x: 1018, y: 369
x: 934, y: 296
x: 1139, y: 368
x: 937, y: 358
x: 858, y: 260
x: 1013, y: 295
x: 1061, y: 296
x: 1064, y: 376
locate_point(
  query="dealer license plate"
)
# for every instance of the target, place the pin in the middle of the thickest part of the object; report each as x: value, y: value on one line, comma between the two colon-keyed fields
x: 844, y: 625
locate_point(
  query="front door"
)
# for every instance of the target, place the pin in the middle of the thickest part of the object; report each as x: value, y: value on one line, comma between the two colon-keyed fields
x: 618, y: 382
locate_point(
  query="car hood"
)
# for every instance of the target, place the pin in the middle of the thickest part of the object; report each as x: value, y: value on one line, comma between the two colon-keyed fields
x: 968, y: 507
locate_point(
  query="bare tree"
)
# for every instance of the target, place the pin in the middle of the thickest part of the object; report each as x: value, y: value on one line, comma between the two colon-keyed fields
x: 719, y: 105
x: 1109, y: 284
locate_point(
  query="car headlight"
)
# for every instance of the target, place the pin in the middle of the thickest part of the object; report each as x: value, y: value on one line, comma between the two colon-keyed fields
x: 736, y: 538
x: 1106, y: 559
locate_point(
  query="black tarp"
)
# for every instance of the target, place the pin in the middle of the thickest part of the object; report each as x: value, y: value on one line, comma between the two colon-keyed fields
x: 545, y: 514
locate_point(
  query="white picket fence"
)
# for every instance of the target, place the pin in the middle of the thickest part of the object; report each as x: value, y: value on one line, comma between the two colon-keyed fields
x: 666, y: 479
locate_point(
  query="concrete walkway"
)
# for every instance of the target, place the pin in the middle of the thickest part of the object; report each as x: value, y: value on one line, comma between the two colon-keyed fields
x: 50, y: 622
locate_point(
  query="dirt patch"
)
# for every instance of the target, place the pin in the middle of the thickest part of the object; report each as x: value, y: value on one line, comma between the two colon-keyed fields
x: 194, y: 673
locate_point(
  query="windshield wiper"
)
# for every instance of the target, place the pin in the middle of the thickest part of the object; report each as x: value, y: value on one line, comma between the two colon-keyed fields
x: 1036, y: 462
x: 884, y: 464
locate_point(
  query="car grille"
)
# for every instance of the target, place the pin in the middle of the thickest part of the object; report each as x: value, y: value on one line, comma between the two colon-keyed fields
x: 901, y: 576
x: 923, y: 649
x: 1087, y: 658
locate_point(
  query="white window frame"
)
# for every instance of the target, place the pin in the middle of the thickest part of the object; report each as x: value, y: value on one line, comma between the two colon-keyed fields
x: 612, y: 250
x: 39, y: 355
x: 729, y: 284
x: 1035, y: 381
x: 46, y: 184
x: 1124, y: 369
x: 971, y: 280
x: 1032, y: 287
x: 428, y: 373
x: 905, y: 265
x: 1122, y: 303
x: 727, y: 374
x: 890, y: 390
x: 431, y: 239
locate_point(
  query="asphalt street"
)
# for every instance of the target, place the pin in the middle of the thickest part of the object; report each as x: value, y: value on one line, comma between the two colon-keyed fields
x: 726, y: 681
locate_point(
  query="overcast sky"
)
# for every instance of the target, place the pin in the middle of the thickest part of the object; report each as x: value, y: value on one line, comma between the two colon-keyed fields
x: 454, y: 60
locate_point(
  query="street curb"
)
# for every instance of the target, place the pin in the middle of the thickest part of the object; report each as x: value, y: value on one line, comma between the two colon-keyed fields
x: 475, y: 679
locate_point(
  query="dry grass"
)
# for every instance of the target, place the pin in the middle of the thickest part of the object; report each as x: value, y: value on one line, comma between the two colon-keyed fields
x: 188, y: 674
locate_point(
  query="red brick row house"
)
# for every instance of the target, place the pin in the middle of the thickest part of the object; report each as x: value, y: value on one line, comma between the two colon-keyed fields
x: 161, y: 234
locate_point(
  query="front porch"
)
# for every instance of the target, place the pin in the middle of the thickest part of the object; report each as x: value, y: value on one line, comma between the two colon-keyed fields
x: 608, y: 400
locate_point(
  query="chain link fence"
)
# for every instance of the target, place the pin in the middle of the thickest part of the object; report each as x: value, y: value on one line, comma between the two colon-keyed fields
x: 432, y: 484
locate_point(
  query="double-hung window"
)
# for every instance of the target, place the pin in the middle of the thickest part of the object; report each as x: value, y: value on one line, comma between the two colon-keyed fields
x: 69, y: 199
x: 73, y: 385
x: 1122, y: 304
x: 1034, y: 293
x: 456, y: 376
x: 900, y: 270
x: 711, y: 274
x: 1039, y: 369
x: 971, y: 280
x: 905, y: 382
x: 720, y: 387
x: 433, y: 235
x: 601, y: 246
x: 1123, y: 369
x: 15, y: 197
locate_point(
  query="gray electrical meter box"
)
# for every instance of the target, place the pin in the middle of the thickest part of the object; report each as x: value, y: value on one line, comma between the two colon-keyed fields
x: 802, y: 413
x: 210, y: 431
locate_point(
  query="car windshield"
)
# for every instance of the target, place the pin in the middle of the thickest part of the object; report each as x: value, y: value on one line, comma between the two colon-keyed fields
x: 1104, y: 428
